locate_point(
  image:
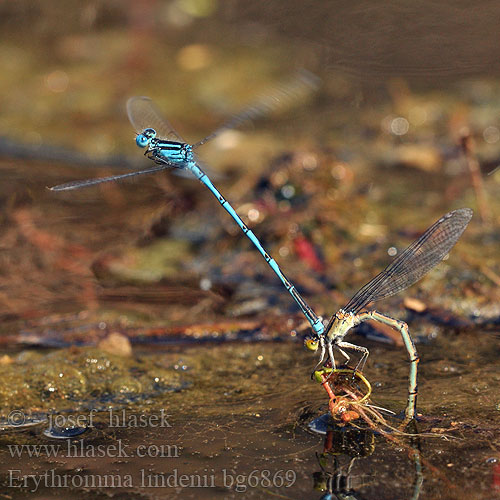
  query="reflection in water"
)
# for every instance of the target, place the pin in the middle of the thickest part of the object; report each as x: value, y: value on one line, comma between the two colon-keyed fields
x: 343, y: 446
x: 19, y: 420
x: 66, y: 432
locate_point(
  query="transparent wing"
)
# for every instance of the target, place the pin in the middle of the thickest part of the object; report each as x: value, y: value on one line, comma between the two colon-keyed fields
x: 186, y: 172
x: 419, y: 258
x: 143, y: 113
x: 92, y: 182
x: 281, y: 96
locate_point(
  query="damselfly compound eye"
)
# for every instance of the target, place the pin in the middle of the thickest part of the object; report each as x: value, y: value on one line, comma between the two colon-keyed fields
x: 141, y: 140
x: 311, y: 343
x: 150, y: 133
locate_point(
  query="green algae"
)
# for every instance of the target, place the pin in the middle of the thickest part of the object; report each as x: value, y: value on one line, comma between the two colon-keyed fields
x: 82, y: 377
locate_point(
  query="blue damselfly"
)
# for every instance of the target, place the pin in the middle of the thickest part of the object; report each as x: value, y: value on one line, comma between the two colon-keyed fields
x: 170, y: 151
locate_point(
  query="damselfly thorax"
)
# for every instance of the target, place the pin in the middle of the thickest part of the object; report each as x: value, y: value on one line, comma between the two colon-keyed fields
x: 164, y: 151
x: 405, y: 270
x: 340, y: 323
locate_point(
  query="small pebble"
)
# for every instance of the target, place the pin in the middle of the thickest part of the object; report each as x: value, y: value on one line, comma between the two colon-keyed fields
x: 116, y: 343
x: 414, y: 305
x: 5, y: 360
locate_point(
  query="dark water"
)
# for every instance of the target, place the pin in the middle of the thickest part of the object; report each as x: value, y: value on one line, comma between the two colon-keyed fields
x: 243, y: 421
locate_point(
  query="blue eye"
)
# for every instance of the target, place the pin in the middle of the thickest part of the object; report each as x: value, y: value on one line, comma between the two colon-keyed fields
x: 141, y: 140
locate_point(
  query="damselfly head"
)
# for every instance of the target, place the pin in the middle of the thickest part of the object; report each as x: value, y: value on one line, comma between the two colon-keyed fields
x: 142, y: 140
x: 311, y: 341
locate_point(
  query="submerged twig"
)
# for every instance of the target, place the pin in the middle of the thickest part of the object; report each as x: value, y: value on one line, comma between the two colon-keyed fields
x: 348, y: 403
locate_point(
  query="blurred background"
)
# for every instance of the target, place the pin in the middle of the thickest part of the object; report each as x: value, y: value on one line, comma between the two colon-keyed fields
x: 375, y: 152
x: 404, y: 127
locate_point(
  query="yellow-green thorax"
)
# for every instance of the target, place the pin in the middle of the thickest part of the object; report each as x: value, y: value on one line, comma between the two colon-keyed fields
x: 342, y: 323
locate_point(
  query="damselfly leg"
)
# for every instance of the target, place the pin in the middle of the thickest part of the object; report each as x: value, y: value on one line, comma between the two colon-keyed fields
x: 405, y: 270
x: 402, y: 328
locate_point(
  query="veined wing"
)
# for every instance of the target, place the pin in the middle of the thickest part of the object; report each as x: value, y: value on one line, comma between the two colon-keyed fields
x: 302, y: 83
x: 207, y: 169
x: 143, y: 114
x: 419, y: 258
x: 92, y: 182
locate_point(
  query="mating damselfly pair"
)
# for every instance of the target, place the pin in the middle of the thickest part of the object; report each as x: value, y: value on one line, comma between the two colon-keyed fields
x: 168, y: 150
